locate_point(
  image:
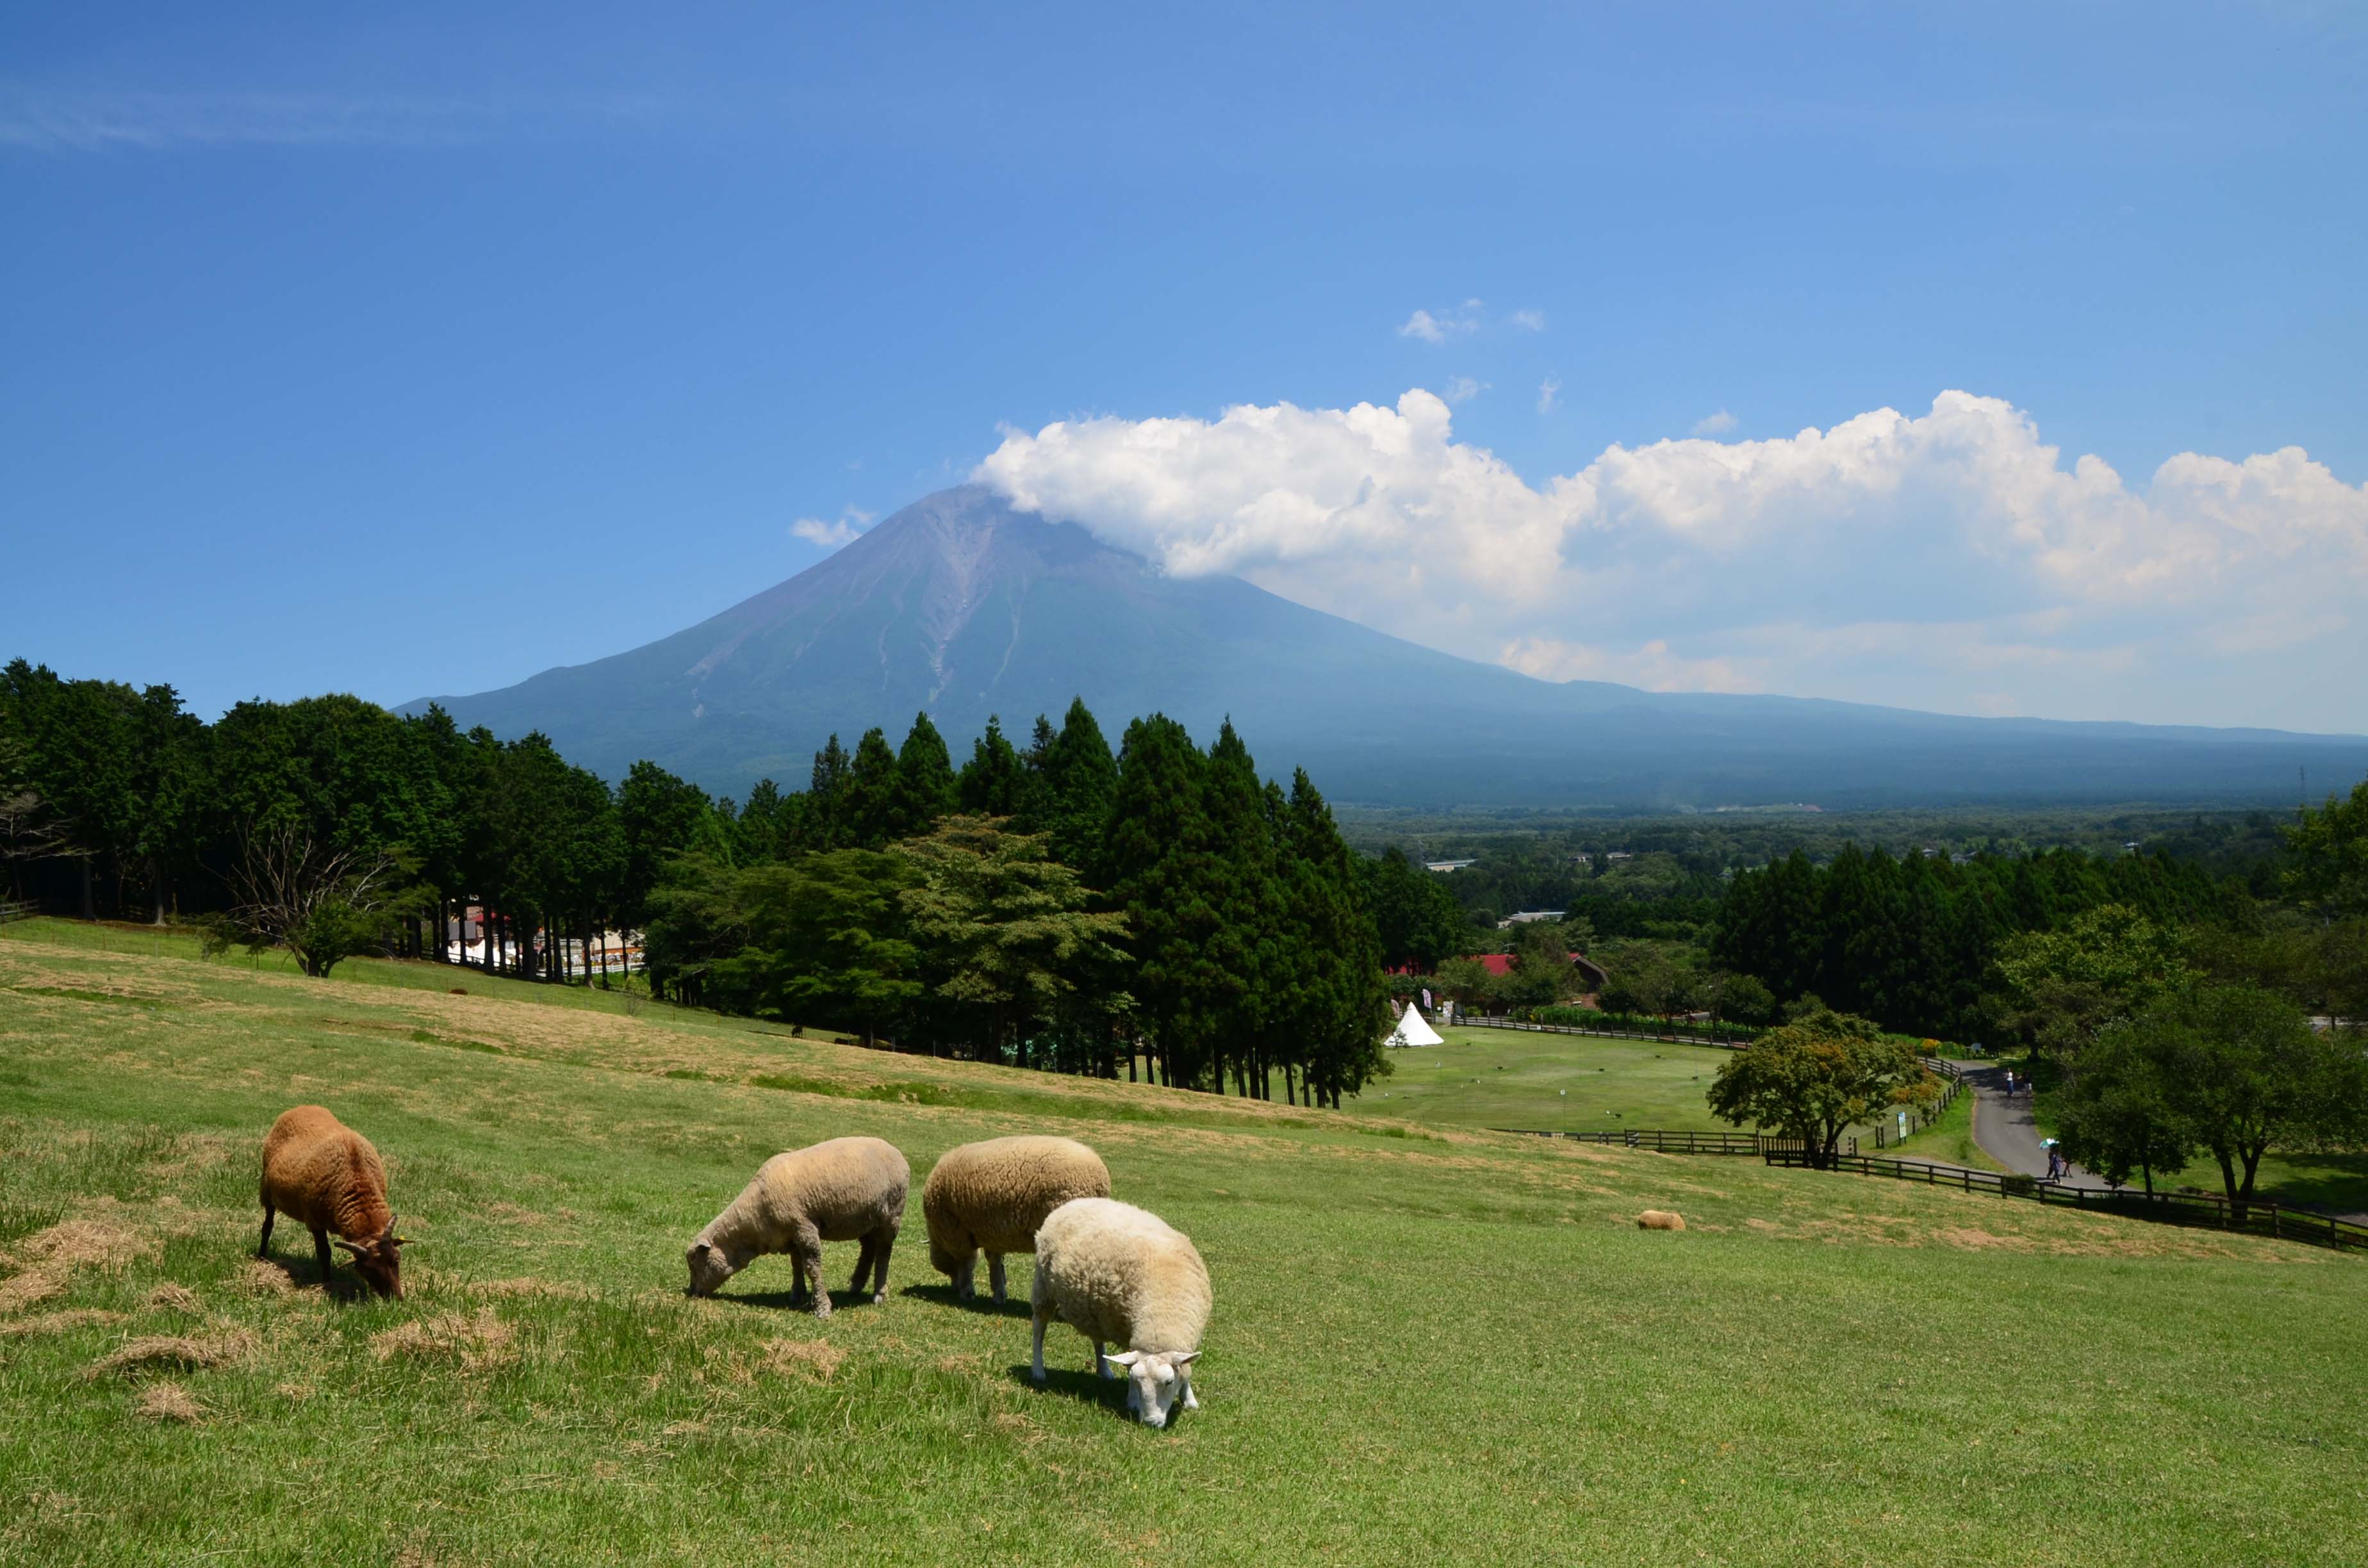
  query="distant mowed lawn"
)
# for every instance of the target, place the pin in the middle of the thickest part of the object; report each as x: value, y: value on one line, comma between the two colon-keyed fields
x: 1429, y: 1345
x: 1559, y: 1083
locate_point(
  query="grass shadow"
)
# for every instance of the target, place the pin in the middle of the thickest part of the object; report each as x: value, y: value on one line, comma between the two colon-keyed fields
x: 790, y: 1301
x: 304, y: 1274
x: 943, y: 1295
x: 1083, y: 1387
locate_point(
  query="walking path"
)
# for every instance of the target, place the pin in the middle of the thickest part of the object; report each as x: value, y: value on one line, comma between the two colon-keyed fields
x: 2005, y: 1129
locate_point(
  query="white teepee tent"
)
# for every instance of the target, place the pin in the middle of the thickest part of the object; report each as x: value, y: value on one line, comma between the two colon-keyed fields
x: 1412, y: 1030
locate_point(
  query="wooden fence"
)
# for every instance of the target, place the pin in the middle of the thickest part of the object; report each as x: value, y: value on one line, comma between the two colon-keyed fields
x: 1680, y: 1141
x: 25, y: 910
x: 2259, y: 1218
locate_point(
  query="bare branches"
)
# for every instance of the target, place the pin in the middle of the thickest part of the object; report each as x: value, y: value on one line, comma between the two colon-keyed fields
x: 323, y: 903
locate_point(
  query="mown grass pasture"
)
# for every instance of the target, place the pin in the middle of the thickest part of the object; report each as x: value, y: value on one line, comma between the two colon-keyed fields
x: 1429, y: 1344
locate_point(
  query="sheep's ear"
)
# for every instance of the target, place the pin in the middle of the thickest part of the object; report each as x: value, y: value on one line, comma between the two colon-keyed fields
x: 1123, y: 1357
x: 1186, y: 1359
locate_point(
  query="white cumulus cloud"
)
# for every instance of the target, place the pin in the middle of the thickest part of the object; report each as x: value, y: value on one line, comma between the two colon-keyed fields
x: 1888, y: 557
x: 1717, y: 424
x: 843, y: 530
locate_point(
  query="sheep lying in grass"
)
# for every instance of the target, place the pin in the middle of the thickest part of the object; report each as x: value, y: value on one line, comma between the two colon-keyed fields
x: 993, y: 1196
x: 326, y: 1175
x: 1660, y: 1219
x: 1118, y: 1275
x: 844, y: 1190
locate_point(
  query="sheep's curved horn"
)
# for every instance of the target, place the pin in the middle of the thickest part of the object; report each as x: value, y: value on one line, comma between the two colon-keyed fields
x: 349, y: 1246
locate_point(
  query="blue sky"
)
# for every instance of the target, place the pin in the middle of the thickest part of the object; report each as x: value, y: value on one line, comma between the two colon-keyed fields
x: 419, y: 350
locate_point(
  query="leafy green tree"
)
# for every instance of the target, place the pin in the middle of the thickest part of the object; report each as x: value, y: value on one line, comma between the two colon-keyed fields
x: 2244, y: 1072
x: 1741, y: 999
x: 1005, y: 931
x: 1815, y: 1078
x: 826, y: 806
x: 2106, y: 963
x: 2117, y: 1113
x: 2328, y: 855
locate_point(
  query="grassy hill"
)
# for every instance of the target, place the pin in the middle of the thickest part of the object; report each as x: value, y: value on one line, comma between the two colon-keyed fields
x: 1429, y: 1344
x: 1559, y: 1083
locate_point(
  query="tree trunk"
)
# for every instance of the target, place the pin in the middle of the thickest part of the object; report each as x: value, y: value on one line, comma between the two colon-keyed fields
x: 156, y: 889
x: 89, y: 904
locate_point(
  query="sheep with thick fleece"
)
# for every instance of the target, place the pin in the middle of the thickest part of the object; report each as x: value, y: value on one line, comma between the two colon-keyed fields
x: 1118, y: 1275
x: 843, y: 1190
x: 992, y: 1197
x: 1660, y: 1219
x: 327, y: 1177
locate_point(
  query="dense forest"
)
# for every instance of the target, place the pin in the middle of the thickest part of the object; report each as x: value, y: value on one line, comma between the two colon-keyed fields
x: 1062, y: 905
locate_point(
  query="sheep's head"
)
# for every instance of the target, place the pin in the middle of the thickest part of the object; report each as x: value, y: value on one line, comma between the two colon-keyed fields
x: 1161, y: 1378
x: 710, y: 1268
x: 378, y: 1260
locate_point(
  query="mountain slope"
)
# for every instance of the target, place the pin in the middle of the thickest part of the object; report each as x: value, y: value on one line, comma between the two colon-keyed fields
x: 961, y: 606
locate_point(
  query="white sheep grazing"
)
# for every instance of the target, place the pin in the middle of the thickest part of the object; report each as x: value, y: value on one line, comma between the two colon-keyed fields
x: 843, y: 1190
x: 1118, y: 1275
x: 994, y: 1195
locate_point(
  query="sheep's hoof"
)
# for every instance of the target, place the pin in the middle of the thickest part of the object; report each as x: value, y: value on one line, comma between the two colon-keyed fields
x: 879, y: 1298
x: 822, y: 1309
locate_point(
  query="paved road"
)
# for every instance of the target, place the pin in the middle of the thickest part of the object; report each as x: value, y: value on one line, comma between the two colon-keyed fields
x: 2006, y: 1132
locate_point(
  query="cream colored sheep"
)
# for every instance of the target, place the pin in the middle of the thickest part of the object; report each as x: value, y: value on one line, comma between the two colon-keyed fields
x: 846, y: 1189
x: 327, y: 1177
x: 1660, y: 1219
x: 992, y: 1196
x: 1118, y: 1275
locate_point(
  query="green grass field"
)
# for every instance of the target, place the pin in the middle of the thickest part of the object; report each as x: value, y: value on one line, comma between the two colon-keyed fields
x: 1429, y: 1344
x: 1557, y: 1083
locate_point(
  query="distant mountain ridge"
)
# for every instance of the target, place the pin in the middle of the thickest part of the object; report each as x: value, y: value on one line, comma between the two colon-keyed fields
x: 961, y: 606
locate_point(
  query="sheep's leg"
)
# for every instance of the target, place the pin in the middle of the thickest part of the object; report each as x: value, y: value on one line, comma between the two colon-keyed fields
x: 1101, y: 1367
x: 966, y: 1278
x: 797, y: 1276
x: 879, y: 1266
x: 320, y: 1251
x: 863, y: 1265
x: 994, y: 1275
x: 1189, y: 1401
x: 1036, y: 1371
x: 808, y: 1244
x: 263, y: 1247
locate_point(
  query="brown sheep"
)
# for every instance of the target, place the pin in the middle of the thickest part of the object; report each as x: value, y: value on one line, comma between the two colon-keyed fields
x: 1660, y: 1219
x: 326, y: 1176
x: 993, y: 1196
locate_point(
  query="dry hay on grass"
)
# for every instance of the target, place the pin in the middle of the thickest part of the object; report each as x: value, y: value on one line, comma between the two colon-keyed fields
x: 814, y: 1359
x: 189, y: 1352
x: 262, y: 1278
x: 168, y: 1402
x: 45, y: 1260
x: 477, y: 1344
x: 172, y: 1298
x: 58, y: 1323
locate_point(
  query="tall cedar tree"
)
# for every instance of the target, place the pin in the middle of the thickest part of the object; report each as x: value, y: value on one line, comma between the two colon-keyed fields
x: 826, y: 822
x: 1155, y: 863
x: 992, y: 780
x: 925, y: 780
x: 1078, y: 781
x: 1245, y: 960
x: 1333, y: 1000
x: 868, y: 802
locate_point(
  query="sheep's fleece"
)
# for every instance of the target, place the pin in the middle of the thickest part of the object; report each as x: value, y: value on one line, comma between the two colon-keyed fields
x: 992, y: 1196
x: 1118, y: 1275
x: 844, y: 1189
